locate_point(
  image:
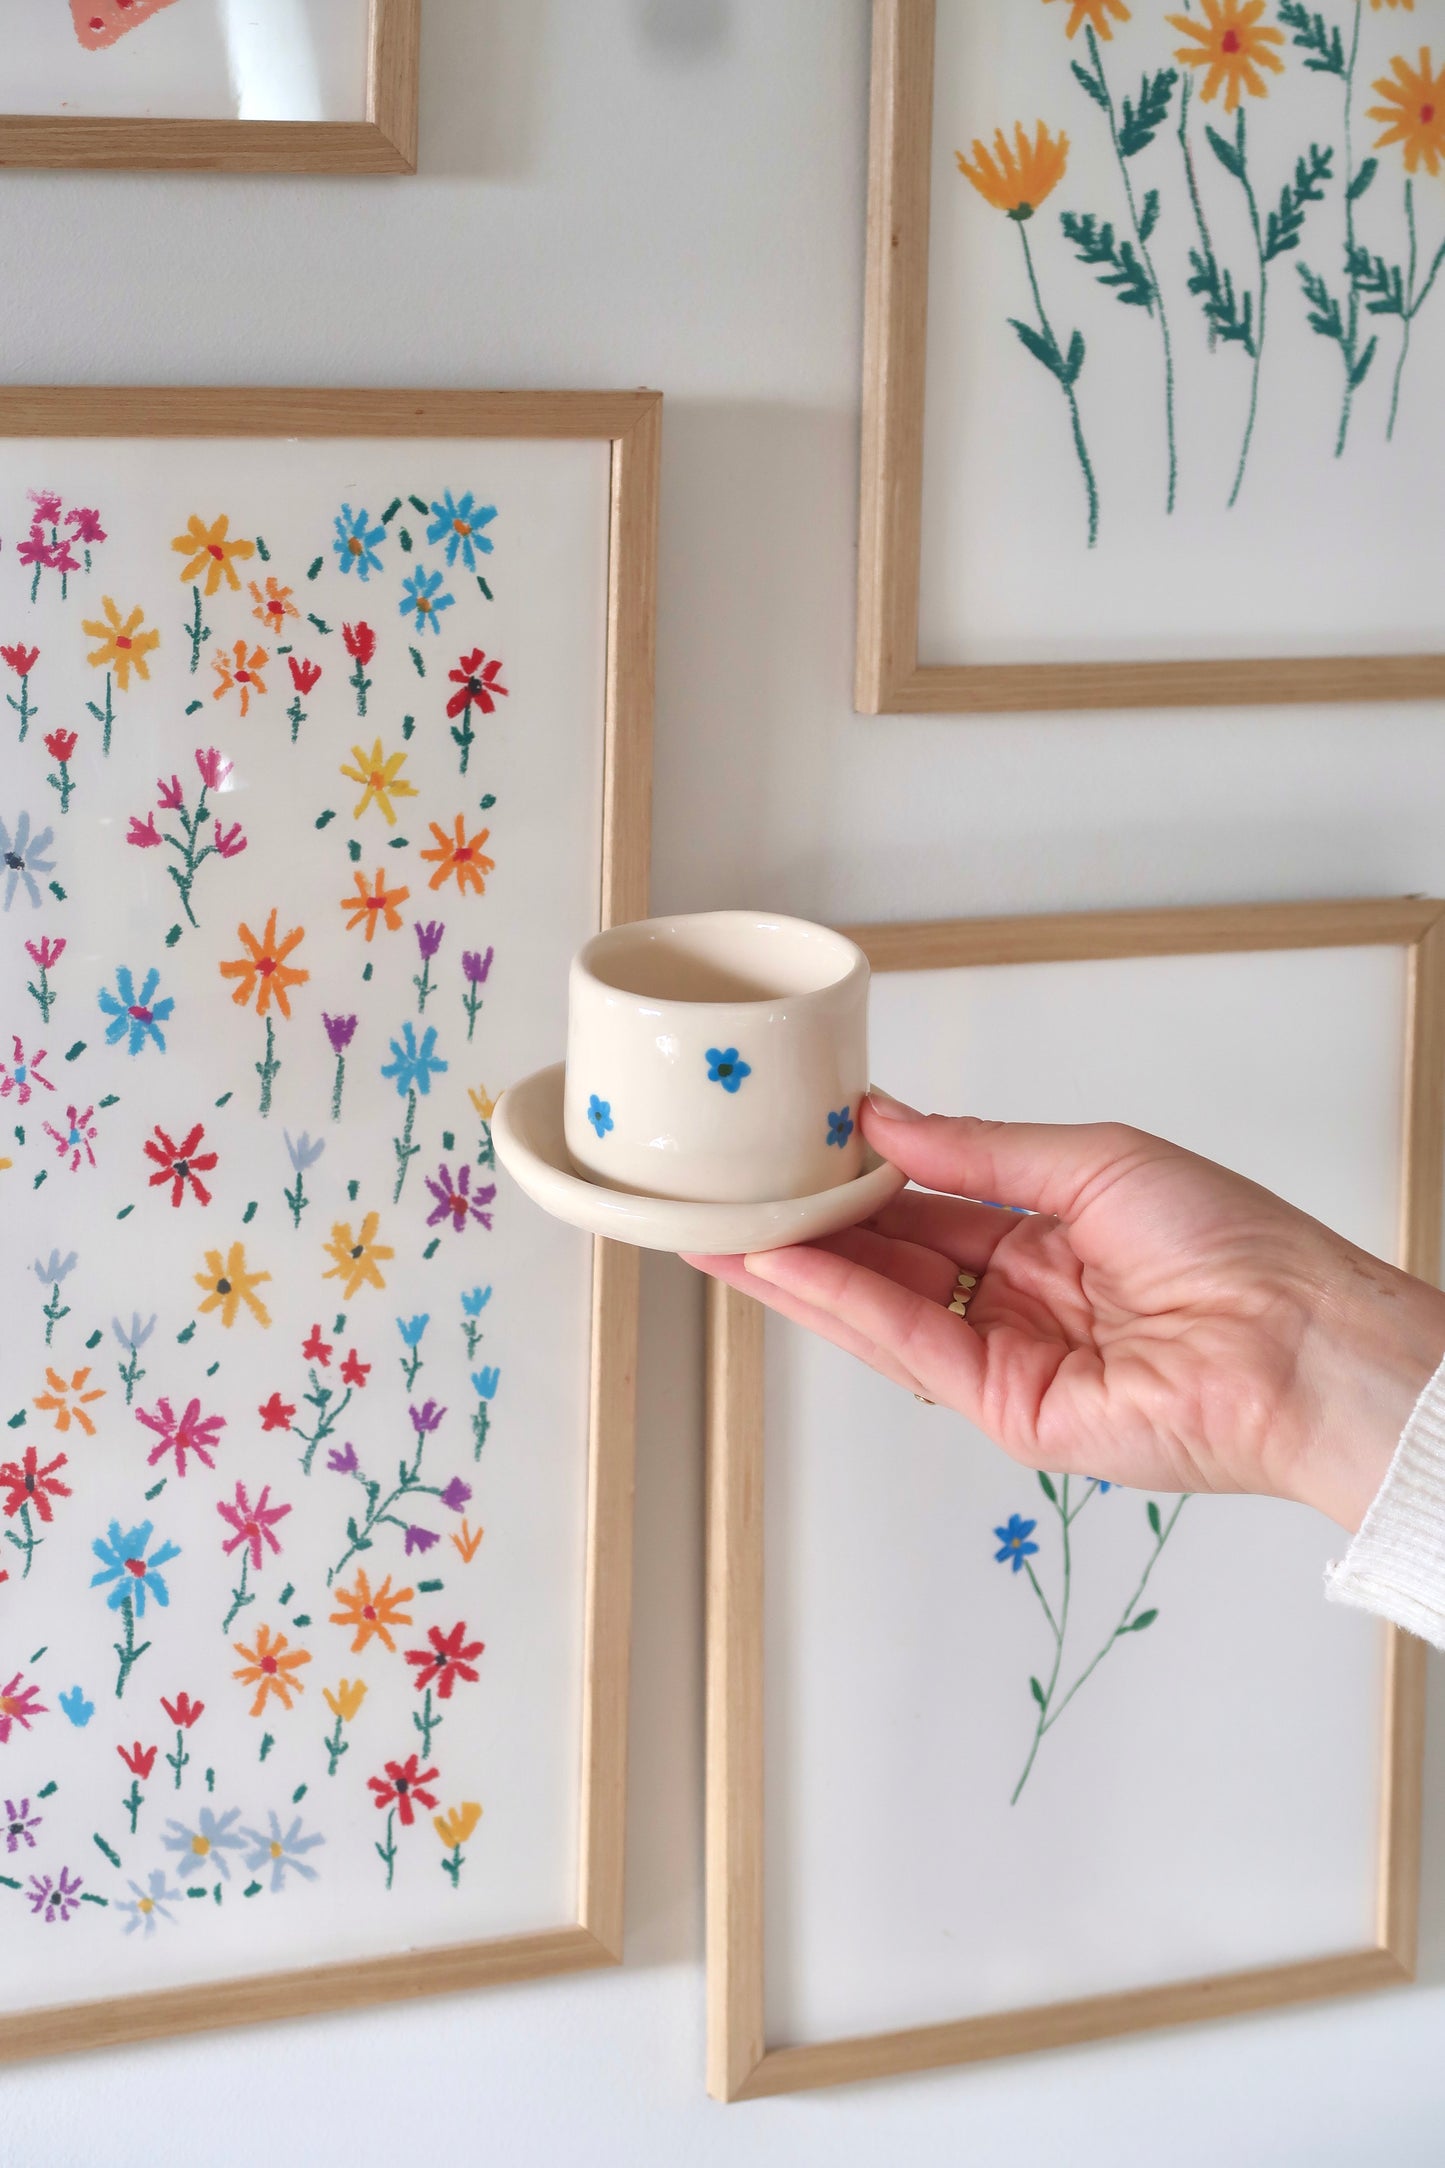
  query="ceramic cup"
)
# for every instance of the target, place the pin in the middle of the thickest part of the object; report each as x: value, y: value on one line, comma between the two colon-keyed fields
x: 719, y: 1057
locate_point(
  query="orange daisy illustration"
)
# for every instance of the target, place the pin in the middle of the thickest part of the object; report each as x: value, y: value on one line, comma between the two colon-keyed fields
x: 240, y: 672
x: 1017, y: 178
x: 68, y: 1402
x: 123, y: 646
x: 273, y: 605
x: 367, y: 1611
x: 1232, y: 44
x: 1096, y: 13
x: 1413, y: 112
x: 209, y: 552
x: 461, y: 857
x: 263, y: 970
x: 271, y: 1667
x: 379, y: 904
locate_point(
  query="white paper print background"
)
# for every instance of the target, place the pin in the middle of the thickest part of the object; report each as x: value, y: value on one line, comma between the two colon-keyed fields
x: 196, y: 59
x: 1319, y: 556
x: 511, y: 1741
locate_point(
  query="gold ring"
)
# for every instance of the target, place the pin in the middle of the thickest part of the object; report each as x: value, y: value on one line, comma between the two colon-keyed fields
x: 925, y: 1399
x: 963, y: 1288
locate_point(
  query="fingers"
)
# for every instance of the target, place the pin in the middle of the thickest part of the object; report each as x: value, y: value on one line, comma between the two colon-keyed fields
x: 734, y: 1273
x: 1044, y: 1167
x: 968, y: 1233
x: 923, y: 1338
x: 910, y: 1265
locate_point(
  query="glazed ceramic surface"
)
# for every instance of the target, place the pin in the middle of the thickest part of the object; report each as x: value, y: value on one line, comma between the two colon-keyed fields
x: 527, y: 1132
x: 719, y: 1057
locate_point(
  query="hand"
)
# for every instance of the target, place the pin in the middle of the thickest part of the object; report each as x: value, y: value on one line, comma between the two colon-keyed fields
x: 1149, y: 1318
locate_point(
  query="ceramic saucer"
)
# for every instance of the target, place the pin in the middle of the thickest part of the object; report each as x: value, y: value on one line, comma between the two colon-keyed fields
x: 527, y: 1133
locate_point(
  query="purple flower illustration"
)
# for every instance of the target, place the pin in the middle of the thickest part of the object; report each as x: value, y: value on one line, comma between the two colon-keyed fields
x: 476, y: 967
x: 18, y: 1823
x: 55, y: 1897
x: 340, y: 1030
x: 344, y: 1462
x: 456, y: 1200
x: 426, y: 1419
x: 456, y: 1494
x: 419, y: 1539
x: 429, y: 937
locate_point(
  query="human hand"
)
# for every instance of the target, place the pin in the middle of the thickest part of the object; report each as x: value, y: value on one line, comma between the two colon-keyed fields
x: 1150, y: 1318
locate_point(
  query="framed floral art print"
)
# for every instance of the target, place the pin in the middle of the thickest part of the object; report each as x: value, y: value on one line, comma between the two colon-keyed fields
x: 1002, y: 1761
x: 1155, y: 304
x: 325, y: 742
x: 277, y: 86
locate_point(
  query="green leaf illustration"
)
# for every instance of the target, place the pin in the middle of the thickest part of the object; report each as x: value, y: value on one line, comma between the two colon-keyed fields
x: 1091, y: 84
x: 1149, y: 214
x: 1229, y: 156
x: 1361, y: 368
x: 1282, y: 230
x: 1229, y: 317
x: 1046, y: 1486
x: 1113, y: 259
x: 1038, y: 1693
x: 1362, y: 180
x: 1382, y: 284
x: 1154, y: 1517
x: 1324, y: 310
x: 1319, y: 41
x: 1137, y: 1625
x: 1140, y: 124
x: 1043, y: 349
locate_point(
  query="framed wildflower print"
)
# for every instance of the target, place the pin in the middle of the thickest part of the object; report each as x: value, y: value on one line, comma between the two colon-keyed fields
x: 325, y: 742
x: 1154, y: 306
x: 1000, y: 1761
x: 278, y: 86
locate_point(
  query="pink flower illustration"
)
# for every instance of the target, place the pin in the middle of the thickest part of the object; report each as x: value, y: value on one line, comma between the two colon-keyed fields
x: 193, y: 1433
x: 21, y: 1076
x: 78, y: 1139
x: 254, y: 1524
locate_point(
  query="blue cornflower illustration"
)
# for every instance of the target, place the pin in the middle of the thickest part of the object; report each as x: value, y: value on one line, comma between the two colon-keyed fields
x: 599, y: 1114
x: 415, y: 1065
x: 420, y: 599
x: 148, y: 1905
x: 840, y: 1127
x: 356, y: 542
x: 78, y: 1710
x: 485, y: 1383
x: 54, y: 1270
x: 1014, y: 1541
x: 303, y: 1153
x: 281, y: 1850
x: 206, y: 1841
x: 724, y: 1067
x: 122, y: 1554
x: 411, y: 1329
x: 138, y: 1014
x: 140, y: 1331
x: 458, y: 522
x: 476, y: 1300
x: 1100, y: 1487
x: 22, y: 856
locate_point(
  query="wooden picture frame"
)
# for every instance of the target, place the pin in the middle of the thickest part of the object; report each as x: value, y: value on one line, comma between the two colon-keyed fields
x: 384, y: 142
x: 741, y: 2065
x: 630, y: 423
x: 889, y: 679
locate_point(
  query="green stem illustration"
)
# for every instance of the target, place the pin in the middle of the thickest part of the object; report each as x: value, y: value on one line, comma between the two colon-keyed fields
x: 410, y: 1364
x: 130, y: 1374
x: 197, y: 631
x: 379, y: 1508
x: 1353, y: 304
x: 452, y: 1865
x: 387, y: 1851
x: 269, y: 1069
x: 327, y: 1417
x: 53, y: 1312
x: 22, y: 706
x: 179, y: 1759
x: 1409, y: 301
x: 335, y: 1746
x: 239, y: 1596
x: 128, y: 1650
x: 133, y: 1802
x: 337, y: 1087
x: 1128, y: 1621
x: 405, y: 1150
x: 296, y: 1200
x: 421, y: 980
x: 1248, y: 186
x: 104, y: 716
x: 426, y: 1722
x: 1065, y: 368
x: 27, y: 1541
x: 481, y: 1424
x: 193, y: 853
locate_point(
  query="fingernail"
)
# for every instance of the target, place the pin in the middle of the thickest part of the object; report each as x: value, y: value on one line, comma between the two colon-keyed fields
x: 891, y: 1109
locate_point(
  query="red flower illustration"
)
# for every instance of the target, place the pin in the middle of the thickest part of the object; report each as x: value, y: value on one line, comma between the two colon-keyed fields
x: 277, y: 1413
x: 86, y: 524
x: 447, y: 1660
x: 35, y: 550
x: 60, y: 744
x: 22, y: 660
x: 214, y: 770
x: 478, y: 681
x: 359, y: 641
x: 317, y: 1350
x: 140, y: 1760
x: 46, y: 953
x: 183, y: 1711
x: 171, y: 795
x: 193, y: 1433
x: 403, y: 1787
x: 232, y: 843
x: 143, y: 833
x: 354, y: 1371
x: 18, y: 1704
x: 304, y: 675
x: 181, y: 1163
x: 31, y: 1485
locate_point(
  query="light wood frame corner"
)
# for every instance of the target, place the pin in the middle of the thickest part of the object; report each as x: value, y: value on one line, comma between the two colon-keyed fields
x: 740, y: 2064
x: 630, y: 422
x: 384, y: 142
x: 888, y: 677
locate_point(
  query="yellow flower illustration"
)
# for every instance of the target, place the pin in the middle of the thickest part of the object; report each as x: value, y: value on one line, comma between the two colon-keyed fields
x: 1233, y: 44
x: 483, y: 1101
x: 209, y: 551
x: 1407, y: 5
x: 269, y: 1667
x: 68, y: 1402
x: 229, y: 1284
x: 349, y: 1695
x: 358, y: 1256
x: 371, y: 1611
x: 456, y: 1825
x: 381, y: 775
x: 123, y: 646
x: 1096, y: 13
x: 1414, y: 112
x: 240, y: 672
x: 273, y: 605
x: 1017, y: 179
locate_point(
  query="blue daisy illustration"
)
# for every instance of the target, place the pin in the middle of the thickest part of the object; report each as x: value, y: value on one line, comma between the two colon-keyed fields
x: 725, y: 1067
x: 421, y: 600
x: 138, y: 1015
x: 357, y: 541
x: 457, y: 523
x: 840, y: 1127
x: 1014, y: 1542
x: 599, y: 1114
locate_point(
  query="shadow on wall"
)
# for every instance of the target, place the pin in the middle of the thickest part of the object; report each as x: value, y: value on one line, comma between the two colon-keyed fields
x: 685, y: 29
x: 483, y: 83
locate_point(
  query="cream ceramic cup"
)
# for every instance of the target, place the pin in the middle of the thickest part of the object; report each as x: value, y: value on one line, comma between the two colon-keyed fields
x: 719, y: 1057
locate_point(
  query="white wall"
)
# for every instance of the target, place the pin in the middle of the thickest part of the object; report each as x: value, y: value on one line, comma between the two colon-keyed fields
x: 670, y: 192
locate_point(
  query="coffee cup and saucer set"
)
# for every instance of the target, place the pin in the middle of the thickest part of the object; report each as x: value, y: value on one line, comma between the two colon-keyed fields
x: 716, y: 1064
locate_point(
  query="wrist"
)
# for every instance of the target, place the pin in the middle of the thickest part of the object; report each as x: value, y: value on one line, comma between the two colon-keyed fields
x: 1377, y: 1343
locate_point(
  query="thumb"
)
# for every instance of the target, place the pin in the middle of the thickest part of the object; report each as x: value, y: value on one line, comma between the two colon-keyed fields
x: 1033, y: 1166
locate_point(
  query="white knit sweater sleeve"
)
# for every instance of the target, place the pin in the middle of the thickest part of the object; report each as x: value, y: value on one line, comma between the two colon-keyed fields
x: 1396, y: 1564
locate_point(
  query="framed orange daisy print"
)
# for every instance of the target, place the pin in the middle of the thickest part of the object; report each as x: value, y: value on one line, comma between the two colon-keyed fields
x: 277, y: 86
x: 324, y: 735
x: 1156, y: 298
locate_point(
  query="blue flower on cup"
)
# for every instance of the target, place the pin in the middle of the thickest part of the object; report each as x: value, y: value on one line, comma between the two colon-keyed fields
x: 599, y: 1114
x: 724, y: 1067
x: 1014, y: 1540
x: 840, y: 1128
